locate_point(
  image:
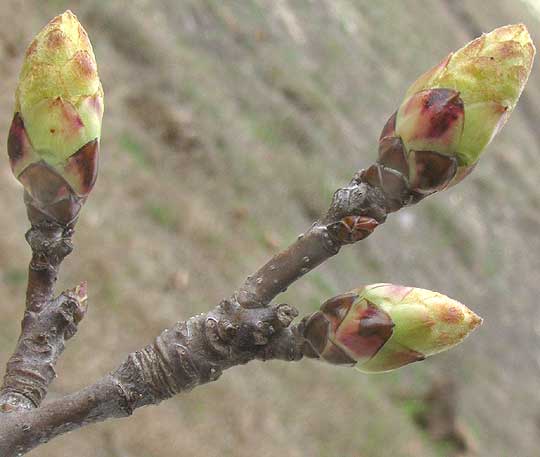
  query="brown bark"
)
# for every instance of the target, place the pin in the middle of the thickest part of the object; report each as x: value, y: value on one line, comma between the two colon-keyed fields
x: 46, y: 323
x: 191, y: 353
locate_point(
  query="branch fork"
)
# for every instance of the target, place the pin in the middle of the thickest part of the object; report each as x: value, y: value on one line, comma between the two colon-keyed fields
x: 239, y: 329
x: 48, y: 322
x: 433, y: 141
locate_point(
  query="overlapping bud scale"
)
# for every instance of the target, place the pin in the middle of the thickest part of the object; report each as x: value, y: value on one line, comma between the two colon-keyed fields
x: 383, y: 326
x: 450, y: 114
x: 54, y: 138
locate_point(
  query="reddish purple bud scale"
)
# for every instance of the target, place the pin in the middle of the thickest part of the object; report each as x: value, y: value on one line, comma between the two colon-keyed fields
x: 384, y: 326
x: 54, y: 192
x: 393, y: 183
x: 82, y: 167
x: 432, y: 172
x: 316, y: 332
x: 351, y: 229
x: 392, y: 155
x: 401, y: 356
x: 389, y: 129
x: 336, y: 308
x: 451, y: 113
x: 432, y: 118
x: 364, y: 332
x: 18, y: 141
x: 416, y: 148
x: 337, y: 356
x: 44, y: 184
x: 54, y: 137
x: 340, y: 335
x: 20, y: 150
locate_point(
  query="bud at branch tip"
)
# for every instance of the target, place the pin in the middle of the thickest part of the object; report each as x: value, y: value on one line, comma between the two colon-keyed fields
x: 450, y: 114
x: 54, y: 137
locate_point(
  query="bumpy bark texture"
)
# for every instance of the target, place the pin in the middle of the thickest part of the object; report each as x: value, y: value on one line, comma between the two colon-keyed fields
x: 47, y: 322
x: 194, y: 352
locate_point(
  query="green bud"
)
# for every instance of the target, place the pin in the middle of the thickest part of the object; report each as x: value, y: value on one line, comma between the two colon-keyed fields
x: 450, y: 114
x: 54, y: 138
x: 383, y: 326
x: 489, y: 74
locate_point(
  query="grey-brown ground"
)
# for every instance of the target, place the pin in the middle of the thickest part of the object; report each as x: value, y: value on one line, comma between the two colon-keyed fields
x: 228, y: 124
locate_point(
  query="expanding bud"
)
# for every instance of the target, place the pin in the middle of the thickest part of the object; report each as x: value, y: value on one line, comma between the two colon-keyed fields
x: 383, y: 326
x: 54, y: 137
x: 450, y: 114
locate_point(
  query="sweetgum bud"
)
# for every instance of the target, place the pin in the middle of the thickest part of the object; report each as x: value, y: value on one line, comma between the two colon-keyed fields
x: 489, y: 74
x: 450, y: 114
x: 54, y: 138
x: 383, y: 326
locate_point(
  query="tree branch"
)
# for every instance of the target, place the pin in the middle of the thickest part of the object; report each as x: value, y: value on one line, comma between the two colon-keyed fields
x: 187, y: 355
x: 356, y: 210
x: 47, y: 323
x: 426, y: 146
x: 197, y: 351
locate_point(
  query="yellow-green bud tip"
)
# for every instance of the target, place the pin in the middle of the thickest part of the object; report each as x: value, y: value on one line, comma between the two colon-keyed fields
x: 384, y: 326
x: 450, y: 114
x: 53, y: 143
x: 59, y: 95
x: 489, y: 73
x: 426, y: 323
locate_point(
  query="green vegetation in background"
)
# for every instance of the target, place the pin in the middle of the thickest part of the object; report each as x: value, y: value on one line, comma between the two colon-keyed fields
x: 15, y: 277
x: 162, y: 215
x: 130, y: 145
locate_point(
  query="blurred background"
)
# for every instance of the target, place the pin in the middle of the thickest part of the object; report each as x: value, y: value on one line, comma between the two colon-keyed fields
x: 228, y: 126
